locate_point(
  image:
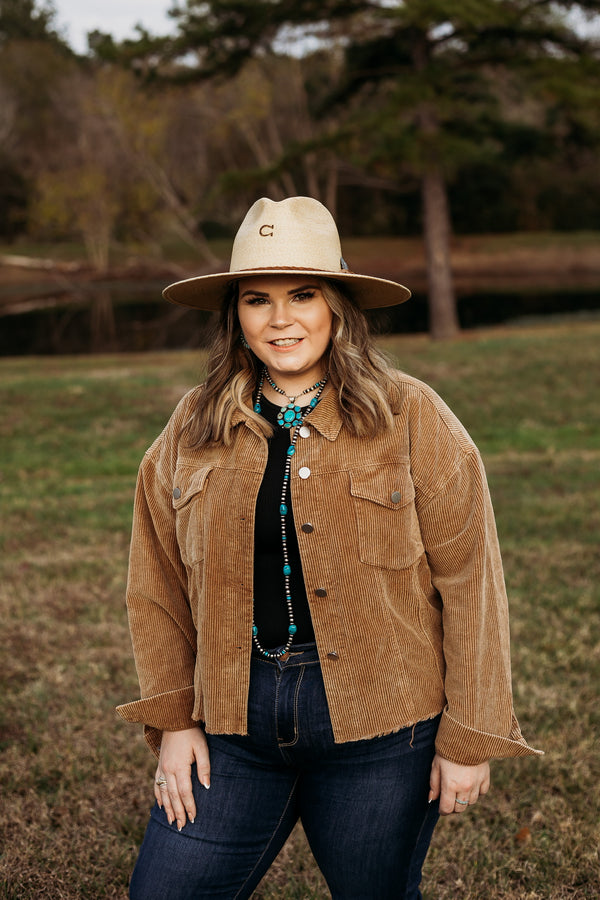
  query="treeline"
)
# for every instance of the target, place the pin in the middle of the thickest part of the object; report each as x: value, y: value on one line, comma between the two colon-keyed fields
x: 407, y: 117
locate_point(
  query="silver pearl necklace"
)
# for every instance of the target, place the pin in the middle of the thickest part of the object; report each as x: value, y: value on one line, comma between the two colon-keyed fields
x: 291, y: 415
x: 284, y: 505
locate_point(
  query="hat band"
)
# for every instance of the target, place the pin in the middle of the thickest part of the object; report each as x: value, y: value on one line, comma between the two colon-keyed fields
x: 286, y: 269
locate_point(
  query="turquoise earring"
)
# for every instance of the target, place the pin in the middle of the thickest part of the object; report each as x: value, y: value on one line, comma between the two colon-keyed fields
x: 244, y: 342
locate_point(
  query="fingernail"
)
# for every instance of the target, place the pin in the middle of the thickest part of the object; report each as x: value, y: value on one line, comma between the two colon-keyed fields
x: 179, y: 827
x: 205, y: 783
x: 192, y: 820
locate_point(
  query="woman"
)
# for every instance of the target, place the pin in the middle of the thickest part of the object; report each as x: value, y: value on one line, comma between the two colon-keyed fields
x: 315, y: 591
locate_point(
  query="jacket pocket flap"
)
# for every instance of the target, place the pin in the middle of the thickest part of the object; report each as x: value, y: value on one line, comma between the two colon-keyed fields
x: 390, y: 486
x: 187, y: 483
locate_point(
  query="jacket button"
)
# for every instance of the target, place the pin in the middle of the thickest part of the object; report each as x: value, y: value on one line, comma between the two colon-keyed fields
x: 320, y: 592
x: 332, y: 655
x: 304, y: 472
x: 304, y: 431
x: 307, y: 528
x: 176, y: 493
x: 396, y: 497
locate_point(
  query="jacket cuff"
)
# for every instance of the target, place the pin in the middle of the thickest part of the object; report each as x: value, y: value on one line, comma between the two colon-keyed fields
x: 170, y: 711
x: 470, y: 747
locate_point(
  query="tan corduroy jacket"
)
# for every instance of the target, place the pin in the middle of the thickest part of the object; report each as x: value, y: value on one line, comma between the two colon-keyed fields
x: 401, y: 566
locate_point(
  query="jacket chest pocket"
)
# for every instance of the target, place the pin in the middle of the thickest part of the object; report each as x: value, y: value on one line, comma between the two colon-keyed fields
x: 388, y: 528
x: 189, y: 492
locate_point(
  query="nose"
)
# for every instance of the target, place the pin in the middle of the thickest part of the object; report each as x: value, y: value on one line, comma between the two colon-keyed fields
x: 280, y: 315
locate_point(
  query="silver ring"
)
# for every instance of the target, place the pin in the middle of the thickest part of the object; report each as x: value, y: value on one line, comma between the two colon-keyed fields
x: 462, y: 802
x: 161, y: 781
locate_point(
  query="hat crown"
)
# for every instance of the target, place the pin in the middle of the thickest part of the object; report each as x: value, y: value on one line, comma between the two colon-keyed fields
x: 296, y: 233
x: 289, y: 237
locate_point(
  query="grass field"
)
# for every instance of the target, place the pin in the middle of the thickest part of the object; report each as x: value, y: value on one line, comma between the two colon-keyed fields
x: 76, y: 782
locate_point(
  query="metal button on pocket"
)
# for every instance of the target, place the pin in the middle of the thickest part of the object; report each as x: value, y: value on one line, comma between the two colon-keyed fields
x: 304, y: 472
x: 307, y: 528
x: 176, y: 493
x: 396, y: 497
x: 320, y: 592
x: 332, y: 655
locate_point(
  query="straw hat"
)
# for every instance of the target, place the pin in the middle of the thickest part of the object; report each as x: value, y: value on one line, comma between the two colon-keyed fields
x: 289, y: 237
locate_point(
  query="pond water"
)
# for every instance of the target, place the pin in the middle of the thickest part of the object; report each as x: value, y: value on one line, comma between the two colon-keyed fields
x: 129, y: 318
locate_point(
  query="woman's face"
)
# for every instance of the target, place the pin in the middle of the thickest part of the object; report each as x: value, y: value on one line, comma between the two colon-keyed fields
x: 287, y: 323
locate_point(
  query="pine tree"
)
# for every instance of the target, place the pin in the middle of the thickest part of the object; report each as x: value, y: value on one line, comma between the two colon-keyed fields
x: 422, y: 84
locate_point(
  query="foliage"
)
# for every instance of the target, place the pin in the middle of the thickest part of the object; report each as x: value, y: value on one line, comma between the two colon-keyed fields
x: 13, y: 201
x: 77, y: 781
x: 505, y: 87
x: 33, y: 60
x: 28, y: 20
x: 415, y: 88
x: 471, y: 65
x: 495, y: 103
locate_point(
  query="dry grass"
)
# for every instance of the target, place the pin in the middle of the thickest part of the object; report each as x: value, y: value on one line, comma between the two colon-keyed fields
x: 76, y: 782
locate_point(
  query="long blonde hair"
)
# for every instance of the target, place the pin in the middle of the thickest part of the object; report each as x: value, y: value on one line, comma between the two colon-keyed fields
x: 358, y: 372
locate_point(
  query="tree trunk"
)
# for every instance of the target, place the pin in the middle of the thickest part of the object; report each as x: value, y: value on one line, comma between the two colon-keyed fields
x: 103, y: 332
x: 331, y: 185
x: 443, y: 317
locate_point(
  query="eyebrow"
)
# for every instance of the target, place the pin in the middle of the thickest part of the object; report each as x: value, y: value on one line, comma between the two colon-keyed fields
x: 298, y: 290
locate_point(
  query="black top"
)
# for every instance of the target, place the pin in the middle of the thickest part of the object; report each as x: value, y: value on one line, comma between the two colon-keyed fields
x: 270, y: 609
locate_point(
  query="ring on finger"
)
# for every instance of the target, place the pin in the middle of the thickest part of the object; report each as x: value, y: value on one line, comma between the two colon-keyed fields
x: 161, y: 782
x: 462, y: 802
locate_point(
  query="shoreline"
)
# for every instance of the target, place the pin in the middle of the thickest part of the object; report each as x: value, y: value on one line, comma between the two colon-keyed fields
x: 480, y: 263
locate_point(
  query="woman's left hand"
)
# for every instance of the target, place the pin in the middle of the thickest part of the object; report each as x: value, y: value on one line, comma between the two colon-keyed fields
x: 457, y: 787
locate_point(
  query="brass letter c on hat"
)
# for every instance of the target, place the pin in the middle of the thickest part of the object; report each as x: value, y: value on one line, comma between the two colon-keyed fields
x: 265, y: 232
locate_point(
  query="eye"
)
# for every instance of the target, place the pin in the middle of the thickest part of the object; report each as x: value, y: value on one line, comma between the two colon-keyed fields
x: 303, y: 296
x: 255, y: 301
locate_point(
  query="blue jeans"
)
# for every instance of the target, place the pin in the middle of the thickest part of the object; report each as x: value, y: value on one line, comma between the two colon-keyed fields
x: 363, y: 804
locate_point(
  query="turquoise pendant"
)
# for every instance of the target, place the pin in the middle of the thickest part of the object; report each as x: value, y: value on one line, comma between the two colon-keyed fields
x: 290, y: 416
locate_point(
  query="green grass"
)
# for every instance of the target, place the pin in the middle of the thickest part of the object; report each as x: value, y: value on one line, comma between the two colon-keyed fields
x: 76, y: 782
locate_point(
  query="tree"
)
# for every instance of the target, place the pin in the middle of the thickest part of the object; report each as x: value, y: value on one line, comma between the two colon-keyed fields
x: 268, y: 137
x: 417, y: 86
x: 27, y: 20
x: 34, y: 61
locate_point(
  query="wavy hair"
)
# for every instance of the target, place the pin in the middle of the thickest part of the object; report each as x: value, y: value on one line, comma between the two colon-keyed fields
x: 358, y: 372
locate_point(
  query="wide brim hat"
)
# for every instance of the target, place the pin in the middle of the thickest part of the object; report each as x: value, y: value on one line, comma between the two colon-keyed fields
x: 297, y: 236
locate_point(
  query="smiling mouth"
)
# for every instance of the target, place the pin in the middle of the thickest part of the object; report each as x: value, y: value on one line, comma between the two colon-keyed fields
x: 285, y: 342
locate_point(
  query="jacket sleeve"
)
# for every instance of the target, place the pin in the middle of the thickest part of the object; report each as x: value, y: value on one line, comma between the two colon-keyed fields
x: 460, y: 539
x: 160, y: 619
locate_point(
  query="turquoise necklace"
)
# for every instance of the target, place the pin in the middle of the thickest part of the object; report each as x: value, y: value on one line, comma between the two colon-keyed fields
x: 291, y: 416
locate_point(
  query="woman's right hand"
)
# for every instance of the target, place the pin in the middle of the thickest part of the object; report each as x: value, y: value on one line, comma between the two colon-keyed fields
x: 178, y: 751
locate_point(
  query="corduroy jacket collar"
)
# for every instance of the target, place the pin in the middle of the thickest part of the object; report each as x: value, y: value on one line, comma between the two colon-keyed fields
x: 325, y: 417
